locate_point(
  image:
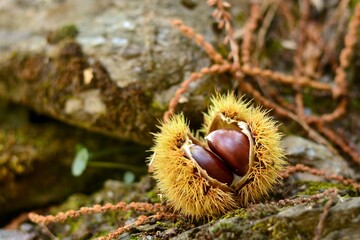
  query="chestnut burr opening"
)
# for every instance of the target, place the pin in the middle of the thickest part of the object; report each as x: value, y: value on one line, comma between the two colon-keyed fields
x: 233, y: 147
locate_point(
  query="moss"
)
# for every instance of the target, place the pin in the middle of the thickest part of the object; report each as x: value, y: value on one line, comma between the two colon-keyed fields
x: 155, y: 105
x: 128, y: 214
x: 223, y: 50
x: 312, y: 188
x: 75, y: 225
x: 274, y: 46
x: 136, y: 237
x: 241, y: 18
x: 225, y: 227
x: 179, y: 224
x: 15, y: 156
x: 153, y: 196
x: 165, y: 225
x: 353, y: 3
x: 262, y: 211
x: 75, y: 201
x: 355, y: 104
x: 274, y: 228
x: 190, y: 4
x: 68, y: 31
x: 240, y: 213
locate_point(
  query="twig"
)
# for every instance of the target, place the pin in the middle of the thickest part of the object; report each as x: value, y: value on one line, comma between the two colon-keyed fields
x: 266, y: 25
x: 284, y: 112
x: 299, y: 105
x: 224, y: 18
x: 302, y: 168
x: 250, y: 27
x: 302, y: 200
x: 250, y: 70
x: 341, y: 142
x: 320, y: 227
x: 140, y: 221
x: 62, y: 216
x: 185, y: 85
x: 199, y: 40
x: 346, y: 54
x: 283, y: 78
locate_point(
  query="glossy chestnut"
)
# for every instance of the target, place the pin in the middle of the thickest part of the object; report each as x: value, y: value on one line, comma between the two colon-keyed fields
x: 212, y: 164
x: 233, y: 147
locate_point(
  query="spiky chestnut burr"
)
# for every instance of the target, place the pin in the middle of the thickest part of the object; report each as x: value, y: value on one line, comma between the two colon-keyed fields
x: 235, y: 164
x: 267, y: 156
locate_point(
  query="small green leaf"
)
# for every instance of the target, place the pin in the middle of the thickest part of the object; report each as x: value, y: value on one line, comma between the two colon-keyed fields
x: 129, y: 177
x: 80, y: 161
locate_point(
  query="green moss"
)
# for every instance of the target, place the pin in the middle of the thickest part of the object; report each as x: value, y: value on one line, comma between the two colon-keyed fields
x: 240, y: 212
x: 355, y: 104
x: 353, y: 3
x: 275, y: 46
x: 274, y: 228
x: 16, y: 155
x: 263, y: 226
x: 68, y: 31
x: 158, y: 106
x: 225, y: 227
x: 128, y: 214
x: 75, y: 201
x: 169, y: 225
x: 241, y: 18
x: 317, y: 104
x: 179, y: 224
x: 312, y: 188
x: 223, y: 50
x: 153, y: 196
x: 136, y: 237
x: 75, y: 225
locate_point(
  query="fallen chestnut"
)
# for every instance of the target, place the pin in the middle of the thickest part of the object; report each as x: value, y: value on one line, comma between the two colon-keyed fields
x: 236, y: 163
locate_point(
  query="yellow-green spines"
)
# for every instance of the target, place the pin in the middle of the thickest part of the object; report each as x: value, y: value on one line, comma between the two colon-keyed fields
x: 178, y: 178
x: 269, y: 155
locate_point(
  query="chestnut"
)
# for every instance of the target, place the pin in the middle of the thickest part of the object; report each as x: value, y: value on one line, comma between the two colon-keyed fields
x: 233, y: 147
x: 234, y: 164
x: 211, y: 163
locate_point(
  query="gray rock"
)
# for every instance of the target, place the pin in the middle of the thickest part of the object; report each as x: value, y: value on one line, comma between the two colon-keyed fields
x: 136, y: 59
x: 16, y: 234
x: 297, y: 222
x: 300, y: 150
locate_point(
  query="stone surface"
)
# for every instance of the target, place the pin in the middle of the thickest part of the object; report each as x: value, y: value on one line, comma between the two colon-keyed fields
x: 52, y: 53
x: 297, y: 222
x: 16, y: 234
x: 304, y: 151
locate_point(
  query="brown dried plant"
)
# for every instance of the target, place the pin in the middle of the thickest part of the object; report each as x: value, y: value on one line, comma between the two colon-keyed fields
x: 245, y: 69
x: 250, y: 75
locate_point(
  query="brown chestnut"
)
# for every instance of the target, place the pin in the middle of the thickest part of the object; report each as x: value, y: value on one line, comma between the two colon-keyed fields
x: 233, y: 147
x: 212, y: 164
